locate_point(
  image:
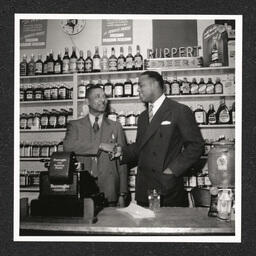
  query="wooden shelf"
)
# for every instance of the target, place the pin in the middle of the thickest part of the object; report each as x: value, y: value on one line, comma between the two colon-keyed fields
x: 217, y: 126
x: 43, y: 130
x: 45, y: 102
x: 111, y: 73
x: 29, y: 189
x: 34, y: 158
x: 200, y: 69
x: 46, y: 76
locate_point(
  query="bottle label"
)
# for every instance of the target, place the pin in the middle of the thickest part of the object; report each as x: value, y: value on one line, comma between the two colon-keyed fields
x: 81, y: 92
x: 224, y: 116
x: 23, y: 123
x: 202, y: 88
x: 104, y: 64
x: 218, y: 88
x: 57, y: 68
x: 80, y: 65
x: 215, y: 56
x: 53, y: 121
x: 30, y: 122
x: 128, y: 89
x: 29, y: 96
x: 120, y: 64
x: 96, y: 64
x: 62, y: 93
x: 129, y: 63
x: 121, y: 120
x: 194, y: 89
x: 138, y: 62
x: 112, y: 117
x: 72, y: 65
x: 108, y: 90
x: 31, y: 69
x: 119, y: 91
x: 175, y: 88
x: 88, y: 66
x: 112, y: 65
x: 62, y: 120
x: 210, y: 89
x: 212, y: 119
x: 39, y: 68
x: 47, y: 94
x: 44, y: 151
x: 50, y: 67
x: 44, y: 121
x: 38, y: 95
x: 65, y: 66
x: 185, y: 88
x: 200, y: 117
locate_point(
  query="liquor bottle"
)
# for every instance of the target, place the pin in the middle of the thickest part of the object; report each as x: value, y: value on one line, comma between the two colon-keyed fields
x: 72, y: 62
x: 119, y: 90
x: 218, y: 86
x: 108, y: 89
x: 24, y: 66
x: 223, y: 115
x: 81, y: 90
x: 185, y: 87
x: 45, y: 64
x: 31, y: 66
x: 50, y: 63
x: 65, y: 62
x: 210, y: 88
x: 129, y: 60
x: 80, y: 62
x: 121, y: 60
x: 232, y: 114
x: 202, y: 86
x: 96, y: 60
x: 128, y: 88
x: 215, y: 54
x: 63, y: 92
x: 58, y: 65
x: 167, y: 86
x: 88, y: 63
x: 211, y: 115
x: 175, y: 87
x: 104, y: 61
x: 44, y: 119
x: 138, y: 60
x: 194, y: 87
x: 200, y: 115
x: 112, y: 61
x: 135, y: 92
x: 99, y: 83
x: 39, y: 65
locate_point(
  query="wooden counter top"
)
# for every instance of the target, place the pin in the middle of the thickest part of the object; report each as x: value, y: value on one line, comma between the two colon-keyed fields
x: 168, y: 221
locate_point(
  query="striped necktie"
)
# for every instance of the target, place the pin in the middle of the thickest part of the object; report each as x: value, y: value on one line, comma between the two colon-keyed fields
x: 96, y: 125
x: 150, y: 111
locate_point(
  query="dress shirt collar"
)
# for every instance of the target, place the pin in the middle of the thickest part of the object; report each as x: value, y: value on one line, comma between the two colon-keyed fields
x: 92, y: 119
x: 157, y: 104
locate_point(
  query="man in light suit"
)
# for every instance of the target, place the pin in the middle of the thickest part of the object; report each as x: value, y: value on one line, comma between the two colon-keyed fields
x: 168, y: 142
x: 85, y: 135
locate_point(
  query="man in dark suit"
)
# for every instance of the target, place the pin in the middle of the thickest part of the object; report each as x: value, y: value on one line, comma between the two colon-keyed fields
x: 168, y: 142
x: 85, y: 135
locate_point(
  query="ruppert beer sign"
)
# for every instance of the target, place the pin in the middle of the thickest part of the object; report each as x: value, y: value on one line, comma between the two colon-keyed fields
x: 117, y: 32
x: 33, y: 34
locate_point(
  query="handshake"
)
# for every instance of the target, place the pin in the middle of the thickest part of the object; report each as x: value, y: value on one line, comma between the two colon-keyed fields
x: 113, y: 149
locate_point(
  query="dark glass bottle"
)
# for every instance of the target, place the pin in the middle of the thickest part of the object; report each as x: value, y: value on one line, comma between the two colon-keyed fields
x: 73, y: 60
x: 63, y: 92
x: 128, y: 88
x: 185, y: 87
x: 50, y: 63
x: 82, y: 90
x: 202, y: 86
x: 88, y: 63
x: 31, y: 66
x: 45, y: 64
x: 29, y: 94
x: 175, y: 87
x: 96, y: 60
x: 129, y: 60
x: 119, y: 90
x: 121, y: 60
x: 62, y: 118
x: 138, y: 60
x: 210, y: 87
x: 80, y: 62
x: 24, y: 66
x: 38, y: 93
x: 65, y: 62
x: 53, y: 117
x: 112, y: 61
x: 58, y: 65
x: 47, y: 92
x: 218, y: 86
x: 167, y: 86
x: 108, y: 89
x: 211, y: 115
x: 194, y: 87
x: 223, y: 115
x: 39, y: 65
x: 200, y: 115
x: 54, y: 92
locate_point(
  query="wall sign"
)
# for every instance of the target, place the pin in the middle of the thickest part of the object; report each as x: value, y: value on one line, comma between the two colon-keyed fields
x: 117, y: 32
x: 33, y: 34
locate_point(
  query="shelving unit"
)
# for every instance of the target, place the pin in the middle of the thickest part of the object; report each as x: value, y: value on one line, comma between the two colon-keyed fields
x: 121, y: 103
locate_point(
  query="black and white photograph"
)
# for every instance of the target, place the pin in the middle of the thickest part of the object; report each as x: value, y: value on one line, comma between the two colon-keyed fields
x: 128, y: 128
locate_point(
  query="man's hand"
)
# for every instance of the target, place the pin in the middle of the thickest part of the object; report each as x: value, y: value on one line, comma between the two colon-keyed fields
x: 168, y: 171
x: 107, y: 147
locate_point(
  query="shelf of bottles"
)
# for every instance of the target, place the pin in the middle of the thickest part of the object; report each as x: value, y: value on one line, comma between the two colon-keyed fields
x: 40, y: 159
x: 44, y: 130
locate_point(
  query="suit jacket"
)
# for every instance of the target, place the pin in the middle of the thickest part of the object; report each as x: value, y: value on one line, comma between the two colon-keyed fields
x: 172, y: 139
x: 112, y: 177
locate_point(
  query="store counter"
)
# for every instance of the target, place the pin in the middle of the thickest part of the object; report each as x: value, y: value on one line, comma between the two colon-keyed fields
x: 110, y: 221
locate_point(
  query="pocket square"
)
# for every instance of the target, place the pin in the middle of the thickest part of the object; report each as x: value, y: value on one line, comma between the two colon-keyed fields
x: 166, y: 122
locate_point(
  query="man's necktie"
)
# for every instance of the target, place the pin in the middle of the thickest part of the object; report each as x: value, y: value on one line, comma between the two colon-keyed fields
x: 96, y: 124
x: 150, y: 112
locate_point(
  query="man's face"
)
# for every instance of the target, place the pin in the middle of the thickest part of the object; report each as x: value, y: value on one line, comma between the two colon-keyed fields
x: 146, y: 88
x: 97, y: 101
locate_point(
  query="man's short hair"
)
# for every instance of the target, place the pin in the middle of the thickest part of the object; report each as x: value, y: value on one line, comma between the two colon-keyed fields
x: 156, y: 76
x: 90, y: 88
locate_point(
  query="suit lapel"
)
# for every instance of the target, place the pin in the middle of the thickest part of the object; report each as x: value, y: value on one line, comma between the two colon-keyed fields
x: 155, y: 123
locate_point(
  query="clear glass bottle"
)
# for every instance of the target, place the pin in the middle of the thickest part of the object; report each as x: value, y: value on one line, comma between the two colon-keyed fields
x: 96, y: 60
x: 223, y: 115
x: 104, y: 61
x: 112, y: 61
x: 81, y: 90
x: 194, y: 86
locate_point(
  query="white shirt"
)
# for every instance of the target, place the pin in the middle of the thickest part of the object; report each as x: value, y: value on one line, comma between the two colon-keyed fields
x: 157, y: 104
x: 92, y: 119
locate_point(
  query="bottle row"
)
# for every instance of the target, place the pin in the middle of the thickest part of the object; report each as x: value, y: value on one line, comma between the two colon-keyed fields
x: 39, y: 149
x: 46, y: 91
x: 200, y: 180
x: 46, y: 120
x: 29, y: 178
x: 72, y: 63
x: 223, y: 115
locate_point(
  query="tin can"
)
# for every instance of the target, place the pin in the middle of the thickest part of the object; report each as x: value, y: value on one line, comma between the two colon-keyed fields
x: 224, y: 205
